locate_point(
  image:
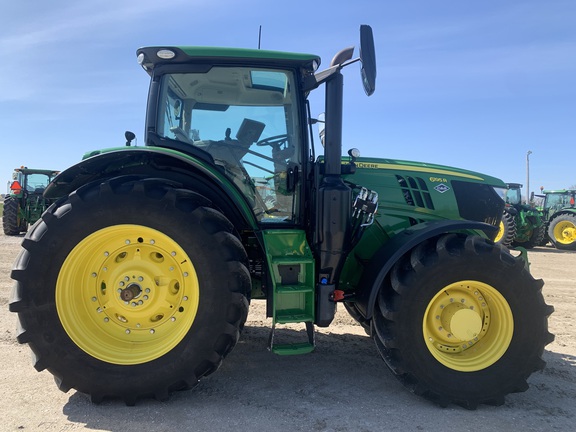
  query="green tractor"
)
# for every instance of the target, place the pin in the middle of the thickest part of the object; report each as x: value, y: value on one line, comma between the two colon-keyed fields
x: 25, y: 203
x: 521, y: 224
x: 138, y: 280
x: 559, y: 212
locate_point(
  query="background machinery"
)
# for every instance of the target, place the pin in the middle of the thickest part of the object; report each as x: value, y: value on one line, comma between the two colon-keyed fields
x: 559, y: 214
x: 522, y: 224
x: 25, y: 202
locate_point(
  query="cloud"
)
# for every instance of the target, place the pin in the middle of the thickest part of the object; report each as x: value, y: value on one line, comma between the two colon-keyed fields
x: 41, y: 43
x: 70, y: 21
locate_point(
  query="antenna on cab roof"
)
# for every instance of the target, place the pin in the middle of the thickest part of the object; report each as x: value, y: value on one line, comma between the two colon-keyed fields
x: 259, y: 36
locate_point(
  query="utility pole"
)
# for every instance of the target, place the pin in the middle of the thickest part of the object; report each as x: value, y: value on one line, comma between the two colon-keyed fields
x: 528, y: 176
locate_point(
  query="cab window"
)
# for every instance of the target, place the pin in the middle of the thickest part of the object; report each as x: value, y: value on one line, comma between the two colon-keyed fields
x: 247, y: 119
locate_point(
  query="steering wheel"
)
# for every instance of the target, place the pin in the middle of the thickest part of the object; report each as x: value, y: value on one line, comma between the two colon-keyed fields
x: 273, y: 141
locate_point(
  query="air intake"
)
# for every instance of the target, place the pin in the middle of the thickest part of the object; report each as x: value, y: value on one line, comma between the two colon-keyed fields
x: 415, y: 192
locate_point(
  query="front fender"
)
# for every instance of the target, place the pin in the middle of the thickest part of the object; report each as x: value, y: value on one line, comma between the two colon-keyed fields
x: 192, y: 173
x: 383, y: 260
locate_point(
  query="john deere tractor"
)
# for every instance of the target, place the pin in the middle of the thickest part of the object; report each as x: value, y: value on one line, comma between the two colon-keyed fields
x: 138, y: 279
x: 522, y: 224
x: 559, y: 212
x: 25, y: 202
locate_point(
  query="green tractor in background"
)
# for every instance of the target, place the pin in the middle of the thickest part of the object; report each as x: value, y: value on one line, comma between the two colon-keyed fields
x: 138, y: 279
x: 521, y: 224
x: 559, y: 212
x: 25, y: 203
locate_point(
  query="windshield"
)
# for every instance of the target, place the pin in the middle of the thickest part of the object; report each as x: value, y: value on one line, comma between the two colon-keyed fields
x: 558, y: 201
x: 37, y: 182
x: 510, y: 196
x: 513, y: 196
x: 247, y: 120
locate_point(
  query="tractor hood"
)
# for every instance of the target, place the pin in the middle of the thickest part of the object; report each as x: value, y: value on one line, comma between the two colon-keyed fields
x: 434, y: 173
x: 418, y: 192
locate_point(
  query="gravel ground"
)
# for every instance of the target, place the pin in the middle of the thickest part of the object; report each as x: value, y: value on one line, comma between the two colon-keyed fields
x: 342, y: 386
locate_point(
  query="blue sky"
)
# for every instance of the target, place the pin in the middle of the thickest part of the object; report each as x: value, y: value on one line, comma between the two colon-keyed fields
x: 472, y: 84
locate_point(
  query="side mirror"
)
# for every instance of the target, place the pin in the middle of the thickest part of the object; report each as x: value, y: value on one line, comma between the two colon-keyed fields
x: 368, y: 59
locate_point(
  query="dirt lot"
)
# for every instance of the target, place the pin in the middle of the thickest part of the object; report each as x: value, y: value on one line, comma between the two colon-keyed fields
x: 342, y: 386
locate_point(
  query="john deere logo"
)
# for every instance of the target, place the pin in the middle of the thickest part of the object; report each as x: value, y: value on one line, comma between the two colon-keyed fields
x: 442, y: 188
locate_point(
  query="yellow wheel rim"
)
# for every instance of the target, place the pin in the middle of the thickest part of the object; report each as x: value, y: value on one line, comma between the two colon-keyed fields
x: 500, y: 232
x: 565, y: 232
x: 468, y: 326
x: 127, y: 294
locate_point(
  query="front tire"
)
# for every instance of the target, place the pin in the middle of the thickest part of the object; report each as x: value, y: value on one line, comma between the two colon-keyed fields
x: 357, y: 316
x: 506, y: 230
x: 461, y: 320
x: 131, y: 288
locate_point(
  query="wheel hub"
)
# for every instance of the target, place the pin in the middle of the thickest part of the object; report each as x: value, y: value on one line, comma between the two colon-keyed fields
x: 465, y: 324
x: 466, y: 315
x: 132, y: 291
x: 139, y: 294
x: 569, y: 234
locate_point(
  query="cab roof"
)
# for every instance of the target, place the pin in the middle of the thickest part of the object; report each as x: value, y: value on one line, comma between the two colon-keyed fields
x: 559, y: 191
x: 151, y: 57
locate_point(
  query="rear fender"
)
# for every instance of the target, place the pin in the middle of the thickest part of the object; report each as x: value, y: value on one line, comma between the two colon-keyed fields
x: 569, y: 211
x: 191, y: 173
x: 383, y: 260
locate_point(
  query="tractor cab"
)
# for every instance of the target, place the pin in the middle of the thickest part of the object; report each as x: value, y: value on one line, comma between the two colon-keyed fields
x: 245, y: 111
x: 556, y: 200
x: 246, y: 120
x: 513, y: 194
x: 31, y: 181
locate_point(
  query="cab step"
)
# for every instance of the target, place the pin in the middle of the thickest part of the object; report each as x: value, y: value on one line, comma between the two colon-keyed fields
x: 291, y: 267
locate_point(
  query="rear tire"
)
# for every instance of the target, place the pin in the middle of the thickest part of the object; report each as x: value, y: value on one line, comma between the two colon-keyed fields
x: 562, y: 231
x: 461, y: 320
x: 536, y: 239
x: 131, y: 288
x: 10, y: 217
